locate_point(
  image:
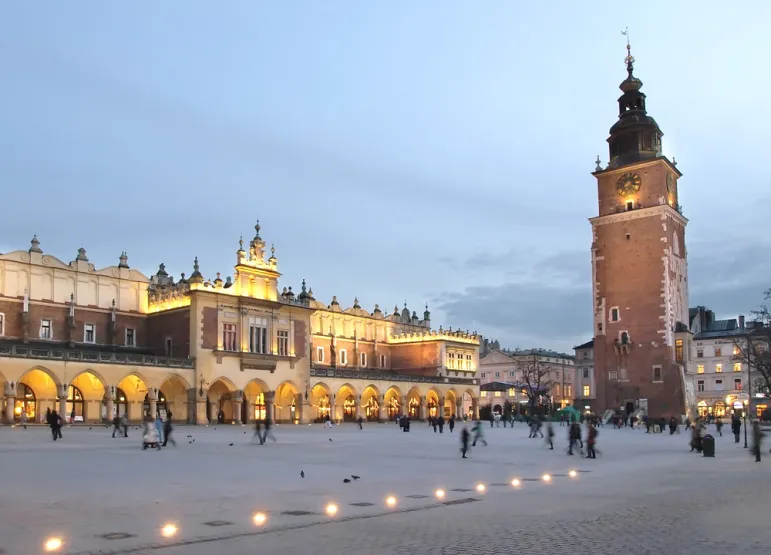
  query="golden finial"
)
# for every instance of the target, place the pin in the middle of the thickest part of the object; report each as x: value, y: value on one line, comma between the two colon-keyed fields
x: 629, y: 60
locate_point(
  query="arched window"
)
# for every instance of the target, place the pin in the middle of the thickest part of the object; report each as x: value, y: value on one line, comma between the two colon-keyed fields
x: 259, y: 407
x: 414, y: 407
x: 394, y: 407
x: 121, y: 403
x: 431, y: 405
x: 323, y: 407
x: 372, y: 409
x: 349, y: 409
x: 719, y: 408
x: 74, y: 402
x: 26, y: 403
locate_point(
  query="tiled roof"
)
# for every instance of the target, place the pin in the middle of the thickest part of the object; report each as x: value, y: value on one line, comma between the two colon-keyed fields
x: 722, y: 325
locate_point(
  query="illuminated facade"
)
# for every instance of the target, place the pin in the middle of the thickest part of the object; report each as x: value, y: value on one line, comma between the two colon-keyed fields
x: 114, y: 341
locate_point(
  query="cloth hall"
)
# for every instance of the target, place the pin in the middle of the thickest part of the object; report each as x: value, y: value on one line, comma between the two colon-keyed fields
x: 93, y: 343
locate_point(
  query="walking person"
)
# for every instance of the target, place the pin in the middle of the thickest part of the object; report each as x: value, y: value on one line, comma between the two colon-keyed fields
x: 268, y: 431
x: 451, y: 423
x: 159, y: 426
x: 591, y: 441
x: 736, y: 427
x: 361, y: 423
x: 550, y: 435
x: 258, y: 431
x: 124, y: 424
x: 327, y: 421
x: 23, y: 419
x: 757, y: 439
x: 440, y: 421
x: 433, y: 421
x: 167, y: 429
x: 478, y: 434
x: 574, y: 436
x: 115, y: 425
x: 719, y: 426
x: 464, y: 439
x: 56, y: 425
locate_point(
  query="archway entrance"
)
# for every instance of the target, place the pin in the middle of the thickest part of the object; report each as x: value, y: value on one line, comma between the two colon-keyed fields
x: 285, y: 402
x: 413, y: 404
x: 346, y: 404
x: 321, y: 402
x: 174, y: 391
x: 91, y: 405
x: 75, y: 404
x: 393, y: 404
x: 254, y: 402
x: 25, y: 403
x: 36, y: 391
x: 370, y: 404
x: 121, y: 403
x: 133, y: 389
x: 449, y: 404
x: 219, y: 405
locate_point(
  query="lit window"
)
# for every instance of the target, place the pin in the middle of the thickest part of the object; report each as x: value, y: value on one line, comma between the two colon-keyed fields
x: 568, y: 391
x: 283, y: 343
x: 718, y: 368
x: 131, y: 338
x: 718, y: 351
x: 587, y: 391
x: 45, y: 329
x: 483, y: 393
x: 737, y: 366
x: 737, y: 351
x: 679, y: 350
x: 700, y: 369
x: 363, y: 360
x: 319, y: 354
x: 229, y: 337
x: 89, y: 333
x: 738, y: 384
x: 497, y: 393
x: 512, y: 392
x: 451, y: 360
x: 700, y: 385
x: 258, y: 335
x: 468, y: 362
x: 343, y: 357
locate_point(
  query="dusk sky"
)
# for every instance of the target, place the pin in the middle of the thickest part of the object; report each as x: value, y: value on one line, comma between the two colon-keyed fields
x: 430, y: 151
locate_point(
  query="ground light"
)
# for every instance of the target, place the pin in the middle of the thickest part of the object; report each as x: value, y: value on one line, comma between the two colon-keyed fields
x: 331, y: 509
x: 439, y: 493
x: 391, y: 501
x: 481, y: 488
x: 169, y: 530
x: 259, y: 518
x: 546, y: 478
x: 53, y: 544
x: 515, y: 482
x: 572, y: 473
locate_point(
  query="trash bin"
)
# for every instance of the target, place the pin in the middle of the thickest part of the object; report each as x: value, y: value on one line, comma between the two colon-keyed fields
x: 708, y: 444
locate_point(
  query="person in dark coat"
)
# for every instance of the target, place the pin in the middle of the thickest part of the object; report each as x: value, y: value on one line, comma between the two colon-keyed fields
x: 574, y: 436
x: 757, y: 439
x: 115, y: 425
x: 591, y: 441
x: 440, y: 421
x: 56, y: 425
x: 451, y: 423
x: 719, y: 426
x: 167, y: 430
x: 736, y: 427
x: 465, y: 435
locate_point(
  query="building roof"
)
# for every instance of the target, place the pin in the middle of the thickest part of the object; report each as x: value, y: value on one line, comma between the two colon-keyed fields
x: 538, y: 352
x: 588, y: 345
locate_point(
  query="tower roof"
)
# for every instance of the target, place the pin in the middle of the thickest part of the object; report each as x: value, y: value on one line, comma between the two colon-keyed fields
x: 636, y: 136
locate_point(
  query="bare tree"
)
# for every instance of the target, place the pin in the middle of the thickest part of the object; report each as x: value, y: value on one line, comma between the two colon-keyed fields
x: 537, y: 380
x: 753, y: 350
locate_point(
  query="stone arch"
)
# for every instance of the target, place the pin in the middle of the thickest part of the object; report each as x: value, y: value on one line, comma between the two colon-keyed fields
x: 254, y: 406
x: 93, y: 405
x: 450, y: 402
x: 175, y: 389
x: 321, y: 401
x: 346, y: 403
x: 219, y: 401
x: 414, y: 401
x: 134, y: 387
x: 393, y: 402
x: 36, y: 390
x: 433, y: 409
x: 370, y: 403
x: 286, y: 403
x: 469, y: 403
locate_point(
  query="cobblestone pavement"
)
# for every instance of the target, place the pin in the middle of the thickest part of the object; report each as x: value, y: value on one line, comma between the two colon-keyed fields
x: 645, y: 494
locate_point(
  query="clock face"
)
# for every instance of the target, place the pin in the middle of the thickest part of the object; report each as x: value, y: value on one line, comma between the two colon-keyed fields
x: 628, y: 184
x: 671, y: 181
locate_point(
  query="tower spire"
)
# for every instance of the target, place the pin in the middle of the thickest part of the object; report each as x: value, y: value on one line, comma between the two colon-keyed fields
x: 629, y: 60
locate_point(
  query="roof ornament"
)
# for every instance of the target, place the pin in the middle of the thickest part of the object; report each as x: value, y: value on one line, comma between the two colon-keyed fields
x: 123, y: 260
x: 35, y: 244
x: 599, y: 167
x: 241, y: 244
x: 356, y: 302
x: 629, y: 60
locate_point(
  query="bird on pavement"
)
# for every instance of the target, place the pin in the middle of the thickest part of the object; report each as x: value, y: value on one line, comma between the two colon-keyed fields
x: 346, y: 481
x: 355, y: 477
x: 302, y: 474
x: 231, y: 444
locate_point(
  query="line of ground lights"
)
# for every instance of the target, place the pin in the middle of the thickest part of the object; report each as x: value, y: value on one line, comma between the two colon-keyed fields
x: 170, y: 530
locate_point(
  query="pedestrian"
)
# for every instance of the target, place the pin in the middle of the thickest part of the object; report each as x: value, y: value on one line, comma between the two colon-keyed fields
x: 268, y: 431
x: 159, y: 426
x: 72, y: 416
x: 757, y: 439
x: 591, y: 441
x: 56, y: 425
x: 736, y: 427
x: 23, y: 419
x: 550, y: 435
x: 433, y: 422
x: 719, y: 426
x: 451, y: 423
x: 327, y: 421
x: 48, y: 416
x: 464, y: 439
x: 124, y: 424
x: 115, y: 425
x: 440, y: 421
x: 574, y: 436
x: 478, y: 434
x: 167, y: 429
x: 361, y: 423
x: 258, y: 431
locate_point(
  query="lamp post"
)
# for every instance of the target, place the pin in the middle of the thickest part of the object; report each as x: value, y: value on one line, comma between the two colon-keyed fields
x: 745, y: 423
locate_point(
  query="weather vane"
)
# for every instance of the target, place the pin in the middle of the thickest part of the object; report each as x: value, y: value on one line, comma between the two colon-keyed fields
x: 629, y: 59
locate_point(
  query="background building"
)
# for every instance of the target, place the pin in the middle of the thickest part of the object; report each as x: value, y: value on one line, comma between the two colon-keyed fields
x: 501, y: 378
x: 639, y: 268
x: 113, y: 341
x: 585, y: 382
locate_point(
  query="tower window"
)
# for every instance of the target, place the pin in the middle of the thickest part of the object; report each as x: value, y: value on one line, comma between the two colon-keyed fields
x: 628, y: 236
x: 614, y: 314
x: 629, y: 205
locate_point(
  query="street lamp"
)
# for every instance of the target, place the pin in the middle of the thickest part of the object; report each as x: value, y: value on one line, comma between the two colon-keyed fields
x: 745, y: 423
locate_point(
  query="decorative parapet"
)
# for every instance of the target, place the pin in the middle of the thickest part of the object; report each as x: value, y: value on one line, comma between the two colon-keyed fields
x: 388, y: 377
x: 457, y: 336
x: 100, y: 357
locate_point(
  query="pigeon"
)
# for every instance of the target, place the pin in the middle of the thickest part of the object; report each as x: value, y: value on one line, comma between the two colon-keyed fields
x: 346, y: 481
x: 190, y: 442
x: 330, y: 439
x: 231, y: 444
x: 355, y: 477
x: 302, y: 474
x: 89, y: 427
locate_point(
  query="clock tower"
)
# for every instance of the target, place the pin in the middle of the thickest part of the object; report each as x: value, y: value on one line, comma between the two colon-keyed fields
x: 639, y: 268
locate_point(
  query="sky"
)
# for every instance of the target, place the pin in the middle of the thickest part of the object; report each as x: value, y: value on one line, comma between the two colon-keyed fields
x: 436, y: 152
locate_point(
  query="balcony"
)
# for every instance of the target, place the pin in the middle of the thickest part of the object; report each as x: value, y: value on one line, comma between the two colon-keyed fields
x: 93, y: 356
x: 379, y: 374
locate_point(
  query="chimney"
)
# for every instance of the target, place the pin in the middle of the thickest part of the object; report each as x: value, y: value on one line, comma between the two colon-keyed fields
x: 741, y: 321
